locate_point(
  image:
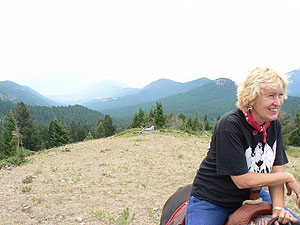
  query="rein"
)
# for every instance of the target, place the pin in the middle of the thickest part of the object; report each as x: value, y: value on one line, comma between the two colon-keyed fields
x: 272, y: 221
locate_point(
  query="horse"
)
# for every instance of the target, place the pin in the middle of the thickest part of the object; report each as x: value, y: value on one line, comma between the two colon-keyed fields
x: 253, y: 210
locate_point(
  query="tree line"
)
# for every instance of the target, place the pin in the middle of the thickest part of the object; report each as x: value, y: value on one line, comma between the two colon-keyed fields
x: 20, y: 133
x: 44, y: 114
x: 290, y: 126
x: 158, y: 119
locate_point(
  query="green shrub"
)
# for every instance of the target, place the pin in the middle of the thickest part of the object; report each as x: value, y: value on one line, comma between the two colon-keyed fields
x: 19, y: 158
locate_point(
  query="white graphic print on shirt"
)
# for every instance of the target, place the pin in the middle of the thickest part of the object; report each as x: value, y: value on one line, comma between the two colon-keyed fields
x: 261, y: 159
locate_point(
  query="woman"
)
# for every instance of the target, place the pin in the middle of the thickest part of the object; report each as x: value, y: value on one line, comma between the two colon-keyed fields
x: 246, y: 150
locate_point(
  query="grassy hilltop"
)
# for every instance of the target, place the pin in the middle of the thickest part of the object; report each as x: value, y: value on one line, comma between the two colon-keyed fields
x: 118, y: 180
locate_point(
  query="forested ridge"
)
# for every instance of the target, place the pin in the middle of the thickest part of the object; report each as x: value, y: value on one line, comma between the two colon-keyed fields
x: 44, y: 114
x: 21, y: 132
x: 67, y: 114
x: 212, y: 99
x: 27, y: 128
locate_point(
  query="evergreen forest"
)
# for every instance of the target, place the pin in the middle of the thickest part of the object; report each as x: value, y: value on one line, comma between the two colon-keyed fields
x: 26, y: 129
x: 21, y: 133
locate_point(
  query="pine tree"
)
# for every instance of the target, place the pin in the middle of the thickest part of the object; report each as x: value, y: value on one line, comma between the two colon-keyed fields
x: 44, y: 132
x: 89, y: 137
x: 181, y: 121
x: 288, y: 125
x: 189, y: 125
x: 31, y: 137
x: 196, y: 125
x: 181, y: 116
x: 109, y: 128
x: 73, y: 131
x: 294, y: 138
x: 84, y: 131
x: 160, y: 119
x: 151, y: 119
x: 58, y: 133
x: 77, y: 132
x: 8, y: 142
x: 135, y: 121
x: 205, y: 124
x: 151, y: 113
x: 99, y: 130
x: 139, y: 119
x: 105, y: 127
x: 16, y: 139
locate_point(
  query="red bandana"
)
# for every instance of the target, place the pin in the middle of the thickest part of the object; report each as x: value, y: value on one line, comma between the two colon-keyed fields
x: 256, y: 126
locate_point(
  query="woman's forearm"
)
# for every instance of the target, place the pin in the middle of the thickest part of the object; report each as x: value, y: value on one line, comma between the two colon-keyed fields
x: 253, y: 179
x: 277, y: 195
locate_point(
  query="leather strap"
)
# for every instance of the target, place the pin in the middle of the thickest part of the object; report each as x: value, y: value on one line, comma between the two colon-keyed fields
x: 271, y: 222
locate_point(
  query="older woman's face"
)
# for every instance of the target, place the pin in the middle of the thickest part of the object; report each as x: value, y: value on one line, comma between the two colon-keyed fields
x: 267, y: 105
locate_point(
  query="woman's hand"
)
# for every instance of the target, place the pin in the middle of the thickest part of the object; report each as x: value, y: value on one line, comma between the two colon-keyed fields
x: 284, y: 216
x: 294, y: 186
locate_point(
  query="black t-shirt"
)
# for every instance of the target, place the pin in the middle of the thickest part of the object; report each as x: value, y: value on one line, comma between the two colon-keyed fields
x: 234, y: 150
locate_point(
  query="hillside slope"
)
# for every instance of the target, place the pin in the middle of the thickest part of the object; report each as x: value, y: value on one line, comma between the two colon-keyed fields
x: 88, y: 181
x: 213, y: 98
x: 155, y: 90
x: 88, y: 185
x: 13, y: 92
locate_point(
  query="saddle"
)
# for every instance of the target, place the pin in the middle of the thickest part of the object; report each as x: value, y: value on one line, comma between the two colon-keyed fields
x: 251, y: 209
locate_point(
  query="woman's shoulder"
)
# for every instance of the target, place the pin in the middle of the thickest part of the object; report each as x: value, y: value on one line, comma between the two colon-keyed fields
x: 276, y: 124
x: 231, y: 119
x: 235, y: 115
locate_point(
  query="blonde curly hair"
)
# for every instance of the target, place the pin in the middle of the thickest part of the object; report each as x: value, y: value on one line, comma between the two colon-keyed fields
x: 258, y: 80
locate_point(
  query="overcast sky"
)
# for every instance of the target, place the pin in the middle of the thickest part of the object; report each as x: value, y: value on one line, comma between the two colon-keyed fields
x: 59, y: 47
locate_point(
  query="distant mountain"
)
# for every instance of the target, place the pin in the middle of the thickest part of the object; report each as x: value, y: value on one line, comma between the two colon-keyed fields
x: 104, y: 89
x: 201, y: 96
x: 293, y: 88
x: 165, y: 87
x: 12, y: 92
x: 155, y: 90
x: 212, y: 98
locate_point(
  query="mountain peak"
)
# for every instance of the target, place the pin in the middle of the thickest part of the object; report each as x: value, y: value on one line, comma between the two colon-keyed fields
x: 222, y: 81
x: 161, y: 83
x: 8, y: 82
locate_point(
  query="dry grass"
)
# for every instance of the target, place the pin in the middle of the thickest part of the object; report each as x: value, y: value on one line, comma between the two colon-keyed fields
x: 97, y: 180
x: 101, y: 181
